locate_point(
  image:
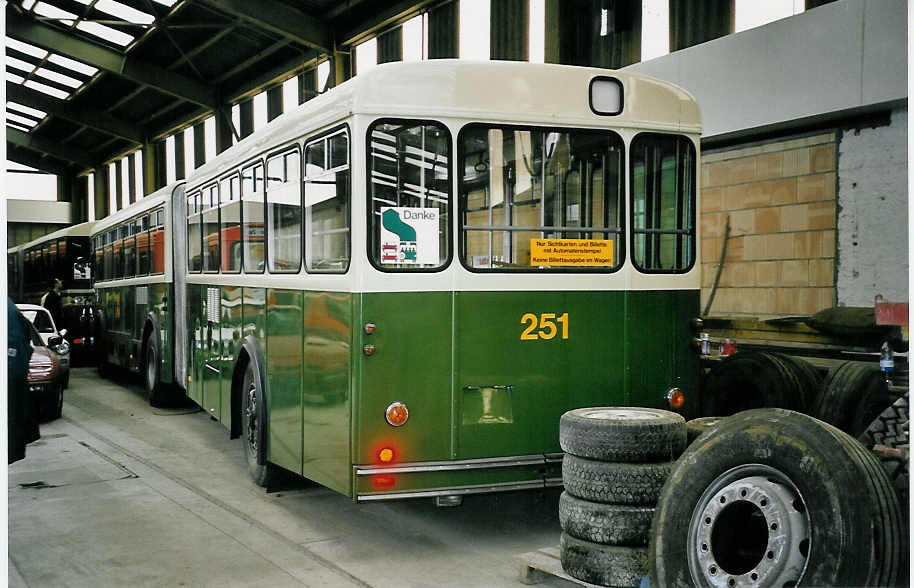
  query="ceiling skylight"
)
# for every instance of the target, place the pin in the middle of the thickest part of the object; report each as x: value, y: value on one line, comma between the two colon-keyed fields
x: 27, y: 122
x: 105, y: 32
x: 51, y: 91
x: 71, y: 64
x: 26, y: 109
x: 58, y: 77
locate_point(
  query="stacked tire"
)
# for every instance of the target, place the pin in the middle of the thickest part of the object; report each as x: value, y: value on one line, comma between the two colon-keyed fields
x: 616, y: 461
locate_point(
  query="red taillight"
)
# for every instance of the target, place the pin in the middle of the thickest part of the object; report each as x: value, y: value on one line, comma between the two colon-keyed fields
x: 77, y: 341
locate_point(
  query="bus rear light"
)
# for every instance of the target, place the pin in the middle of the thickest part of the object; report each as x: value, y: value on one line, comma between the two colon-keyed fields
x: 396, y: 414
x: 369, y: 328
x: 383, y: 482
x: 386, y: 455
x: 368, y: 350
x: 77, y: 341
x: 675, y: 398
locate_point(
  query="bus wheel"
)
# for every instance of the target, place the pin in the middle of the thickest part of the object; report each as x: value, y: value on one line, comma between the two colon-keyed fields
x: 765, y: 500
x: 253, y: 423
x: 626, y: 434
x: 151, y: 371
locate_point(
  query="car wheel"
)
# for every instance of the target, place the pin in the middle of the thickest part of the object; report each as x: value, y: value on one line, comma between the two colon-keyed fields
x: 253, y: 423
x: 617, y: 483
x: 609, y: 524
x: 764, y: 500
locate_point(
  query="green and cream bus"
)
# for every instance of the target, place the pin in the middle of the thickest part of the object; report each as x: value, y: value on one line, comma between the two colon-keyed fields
x: 134, y: 288
x: 398, y: 288
x: 66, y: 255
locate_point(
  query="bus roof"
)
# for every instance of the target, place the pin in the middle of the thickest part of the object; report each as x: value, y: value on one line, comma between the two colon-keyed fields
x: 153, y: 200
x: 508, y: 91
x: 80, y: 230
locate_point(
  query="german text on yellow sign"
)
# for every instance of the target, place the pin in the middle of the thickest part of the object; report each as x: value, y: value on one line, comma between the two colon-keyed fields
x: 571, y: 252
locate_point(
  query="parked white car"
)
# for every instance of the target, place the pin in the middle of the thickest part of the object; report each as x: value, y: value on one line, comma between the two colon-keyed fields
x: 54, y: 339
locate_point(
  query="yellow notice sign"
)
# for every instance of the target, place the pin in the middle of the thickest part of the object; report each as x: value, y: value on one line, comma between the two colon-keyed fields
x: 571, y: 252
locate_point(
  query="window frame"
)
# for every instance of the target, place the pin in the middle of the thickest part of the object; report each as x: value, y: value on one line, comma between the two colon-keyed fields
x: 251, y: 165
x: 235, y: 174
x: 281, y: 153
x: 325, y: 137
x: 449, y: 230
x: 620, y: 255
x: 693, y: 232
x: 197, y: 195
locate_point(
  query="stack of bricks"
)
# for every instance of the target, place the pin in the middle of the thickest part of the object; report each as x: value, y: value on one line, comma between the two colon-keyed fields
x: 780, y: 198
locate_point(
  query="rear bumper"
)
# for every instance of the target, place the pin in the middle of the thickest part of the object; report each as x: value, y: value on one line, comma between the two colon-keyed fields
x: 457, y: 477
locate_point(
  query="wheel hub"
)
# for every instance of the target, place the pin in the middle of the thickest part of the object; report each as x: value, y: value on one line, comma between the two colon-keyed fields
x: 250, y: 413
x: 750, y: 528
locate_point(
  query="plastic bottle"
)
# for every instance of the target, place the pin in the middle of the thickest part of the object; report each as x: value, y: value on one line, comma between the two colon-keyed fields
x: 887, y: 362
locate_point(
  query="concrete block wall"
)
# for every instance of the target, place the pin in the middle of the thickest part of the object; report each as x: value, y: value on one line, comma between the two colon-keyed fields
x: 780, y: 200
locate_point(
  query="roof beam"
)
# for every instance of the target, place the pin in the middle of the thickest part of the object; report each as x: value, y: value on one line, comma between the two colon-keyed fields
x: 90, y: 117
x: 60, y: 151
x: 50, y: 38
x: 272, y: 76
x: 280, y: 19
x: 392, y: 15
x: 32, y: 159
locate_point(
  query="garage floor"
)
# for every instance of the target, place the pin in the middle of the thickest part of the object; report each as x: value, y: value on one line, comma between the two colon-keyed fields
x: 117, y: 493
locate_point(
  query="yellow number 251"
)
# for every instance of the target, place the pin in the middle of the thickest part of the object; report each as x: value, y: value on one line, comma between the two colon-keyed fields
x: 543, y: 326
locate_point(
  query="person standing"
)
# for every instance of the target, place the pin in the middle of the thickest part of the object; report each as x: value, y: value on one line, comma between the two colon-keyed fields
x: 22, y: 420
x: 51, y: 301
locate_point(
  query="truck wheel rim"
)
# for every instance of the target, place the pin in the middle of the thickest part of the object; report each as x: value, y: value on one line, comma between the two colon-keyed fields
x: 750, y: 528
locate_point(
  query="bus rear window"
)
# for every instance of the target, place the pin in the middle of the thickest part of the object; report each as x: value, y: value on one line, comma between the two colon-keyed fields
x: 540, y: 199
x: 663, y: 203
x: 409, y: 195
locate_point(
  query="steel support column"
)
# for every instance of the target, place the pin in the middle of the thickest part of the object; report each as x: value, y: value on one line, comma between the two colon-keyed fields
x: 509, y: 29
x: 596, y: 33
x: 131, y: 177
x: 79, y: 205
x: 223, y: 129
x: 442, y: 31
x: 696, y: 21
x: 118, y: 185
x: 100, y: 177
x: 274, y: 103
x: 390, y: 46
x: 199, y: 145
x: 307, y: 85
x: 180, y: 171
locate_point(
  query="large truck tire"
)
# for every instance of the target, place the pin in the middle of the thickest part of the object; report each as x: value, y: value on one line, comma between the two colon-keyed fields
x: 607, y: 565
x: 616, y: 483
x: 853, y: 395
x: 695, y: 428
x: 890, y: 430
x: 609, y: 524
x: 777, y: 498
x: 754, y: 379
x: 622, y: 434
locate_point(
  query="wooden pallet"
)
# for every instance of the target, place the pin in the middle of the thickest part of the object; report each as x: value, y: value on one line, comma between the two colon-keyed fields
x: 538, y: 566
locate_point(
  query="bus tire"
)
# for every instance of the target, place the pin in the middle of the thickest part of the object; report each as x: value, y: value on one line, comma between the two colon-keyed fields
x: 607, y: 565
x: 853, y: 395
x: 777, y: 498
x: 155, y: 391
x: 622, y: 434
x: 808, y: 378
x: 695, y: 428
x: 253, y: 426
x: 617, y: 483
x: 609, y: 524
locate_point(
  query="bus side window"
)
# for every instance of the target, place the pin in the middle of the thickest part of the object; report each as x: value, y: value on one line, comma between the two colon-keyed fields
x: 230, y: 234
x: 142, y: 246
x: 194, y: 235
x: 252, y: 219
x: 119, y: 251
x: 410, y: 195
x: 326, y: 204
x: 663, y: 203
x: 210, y: 217
x: 130, y: 250
x: 157, y: 243
x: 284, y: 212
x: 109, y: 255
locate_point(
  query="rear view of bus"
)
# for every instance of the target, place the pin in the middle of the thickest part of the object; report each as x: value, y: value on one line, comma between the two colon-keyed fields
x: 532, y: 240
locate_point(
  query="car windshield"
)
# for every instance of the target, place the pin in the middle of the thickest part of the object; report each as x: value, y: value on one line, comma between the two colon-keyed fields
x: 41, y: 319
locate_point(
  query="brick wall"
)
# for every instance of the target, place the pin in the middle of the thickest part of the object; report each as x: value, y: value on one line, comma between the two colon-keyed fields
x: 780, y: 199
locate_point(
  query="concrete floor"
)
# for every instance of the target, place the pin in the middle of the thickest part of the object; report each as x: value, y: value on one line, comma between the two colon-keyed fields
x: 117, y: 493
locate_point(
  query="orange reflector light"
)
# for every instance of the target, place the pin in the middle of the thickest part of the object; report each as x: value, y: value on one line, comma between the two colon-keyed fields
x: 396, y: 414
x: 386, y: 455
x: 675, y: 398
